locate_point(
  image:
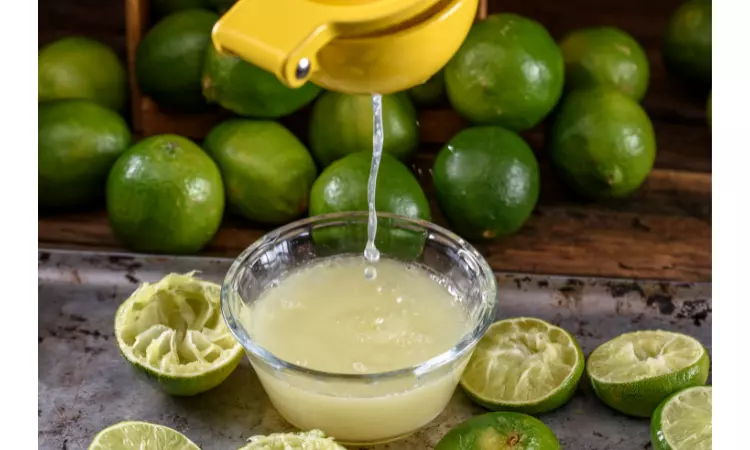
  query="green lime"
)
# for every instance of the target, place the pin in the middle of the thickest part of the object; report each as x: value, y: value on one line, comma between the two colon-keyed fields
x: 342, y: 124
x: 248, y: 90
x: 508, y: 72
x: 486, y: 181
x: 634, y: 372
x: 173, y: 331
x: 605, y: 57
x: 431, y: 92
x: 79, y: 141
x: 683, y: 421
x: 165, y: 195
x: 342, y: 187
x: 687, y: 43
x: 82, y: 68
x: 267, y: 171
x: 131, y: 435
x: 500, y: 431
x: 169, y: 59
x: 524, y: 365
x: 602, y: 143
x: 307, y: 440
x: 163, y: 8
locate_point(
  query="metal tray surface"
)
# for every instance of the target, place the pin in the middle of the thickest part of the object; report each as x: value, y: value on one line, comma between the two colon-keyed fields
x: 85, y: 385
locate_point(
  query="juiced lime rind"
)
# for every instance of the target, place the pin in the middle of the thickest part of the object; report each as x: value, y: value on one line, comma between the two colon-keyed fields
x: 307, y: 440
x: 683, y: 421
x: 131, y: 435
x: 555, y: 396
x: 638, y: 386
x: 174, y: 332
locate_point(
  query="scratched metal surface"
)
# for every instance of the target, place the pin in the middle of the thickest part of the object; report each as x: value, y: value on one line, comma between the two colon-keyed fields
x: 84, y: 384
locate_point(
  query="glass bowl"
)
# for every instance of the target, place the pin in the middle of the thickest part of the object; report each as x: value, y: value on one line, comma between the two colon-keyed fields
x: 369, y: 408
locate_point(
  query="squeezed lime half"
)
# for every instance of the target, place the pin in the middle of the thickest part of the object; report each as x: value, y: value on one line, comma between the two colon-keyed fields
x: 683, y: 421
x: 634, y: 372
x: 525, y: 365
x: 174, y: 332
x: 140, y: 435
x: 308, y: 440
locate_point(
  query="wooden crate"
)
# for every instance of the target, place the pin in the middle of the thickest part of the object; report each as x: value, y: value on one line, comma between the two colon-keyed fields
x: 437, y: 125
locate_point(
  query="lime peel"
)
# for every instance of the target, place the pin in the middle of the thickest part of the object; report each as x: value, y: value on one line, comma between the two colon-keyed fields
x: 540, y: 362
x: 139, y: 435
x: 309, y: 440
x: 173, y: 330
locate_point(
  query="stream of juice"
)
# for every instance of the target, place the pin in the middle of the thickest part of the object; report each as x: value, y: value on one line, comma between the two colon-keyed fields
x: 372, y: 254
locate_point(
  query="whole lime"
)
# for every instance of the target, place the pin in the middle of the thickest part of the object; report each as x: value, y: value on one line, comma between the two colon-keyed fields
x: 267, y: 171
x: 508, y: 72
x: 486, y: 181
x: 342, y: 187
x: 79, y: 141
x: 342, y: 124
x: 431, y: 92
x: 82, y: 68
x: 248, y: 90
x: 605, y: 57
x: 500, y: 430
x: 165, y: 195
x: 602, y: 143
x: 687, y: 43
x: 169, y: 59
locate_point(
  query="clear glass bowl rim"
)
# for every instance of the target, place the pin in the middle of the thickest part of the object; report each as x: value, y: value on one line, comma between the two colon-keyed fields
x: 466, y: 343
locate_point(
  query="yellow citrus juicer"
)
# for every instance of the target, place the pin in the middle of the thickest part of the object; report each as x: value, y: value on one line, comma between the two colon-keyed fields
x: 349, y: 46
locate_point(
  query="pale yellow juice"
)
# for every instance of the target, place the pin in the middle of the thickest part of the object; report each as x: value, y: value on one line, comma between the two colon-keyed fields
x: 329, y: 317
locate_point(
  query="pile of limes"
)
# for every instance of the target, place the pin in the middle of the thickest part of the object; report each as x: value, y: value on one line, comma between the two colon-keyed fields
x: 167, y: 194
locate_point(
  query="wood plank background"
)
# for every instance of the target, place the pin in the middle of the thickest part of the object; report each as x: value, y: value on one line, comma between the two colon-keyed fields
x: 662, y: 232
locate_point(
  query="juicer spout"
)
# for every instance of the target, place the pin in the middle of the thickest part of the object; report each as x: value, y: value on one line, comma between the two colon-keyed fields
x: 271, y: 36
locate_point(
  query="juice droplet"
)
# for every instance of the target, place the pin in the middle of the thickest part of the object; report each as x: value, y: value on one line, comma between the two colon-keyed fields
x: 372, y: 255
x: 370, y: 273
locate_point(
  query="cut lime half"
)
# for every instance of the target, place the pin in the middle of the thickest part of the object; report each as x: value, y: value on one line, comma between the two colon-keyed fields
x: 634, y: 372
x: 140, y: 435
x: 173, y: 331
x: 683, y: 421
x: 309, y: 440
x: 525, y: 365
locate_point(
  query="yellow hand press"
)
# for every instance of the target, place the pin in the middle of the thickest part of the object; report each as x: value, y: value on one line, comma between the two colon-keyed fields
x: 349, y: 46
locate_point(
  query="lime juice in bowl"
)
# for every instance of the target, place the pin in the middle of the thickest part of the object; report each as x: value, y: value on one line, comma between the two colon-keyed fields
x: 365, y: 359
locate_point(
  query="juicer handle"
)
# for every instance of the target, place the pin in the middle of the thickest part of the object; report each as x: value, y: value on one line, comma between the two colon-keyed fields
x: 284, y: 36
